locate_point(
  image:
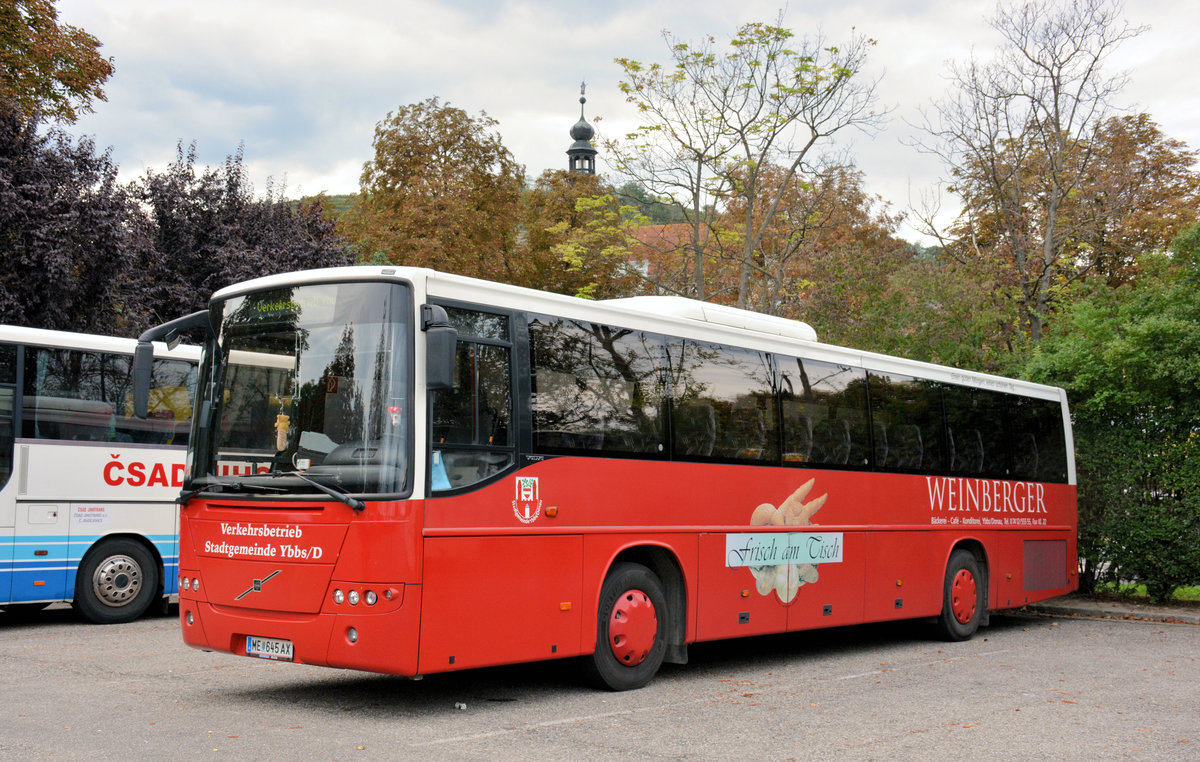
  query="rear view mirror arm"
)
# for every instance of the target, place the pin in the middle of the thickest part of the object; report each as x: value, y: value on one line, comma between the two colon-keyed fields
x: 143, y: 356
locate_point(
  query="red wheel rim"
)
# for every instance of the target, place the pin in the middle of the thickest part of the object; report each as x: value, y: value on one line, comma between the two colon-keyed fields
x: 632, y: 627
x: 963, y: 596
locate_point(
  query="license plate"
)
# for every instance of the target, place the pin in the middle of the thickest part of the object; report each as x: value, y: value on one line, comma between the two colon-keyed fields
x: 269, y: 648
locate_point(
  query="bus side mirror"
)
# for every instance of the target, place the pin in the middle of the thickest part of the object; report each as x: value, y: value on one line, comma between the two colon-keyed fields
x: 143, y: 355
x: 143, y: 364
x: 440, y: 341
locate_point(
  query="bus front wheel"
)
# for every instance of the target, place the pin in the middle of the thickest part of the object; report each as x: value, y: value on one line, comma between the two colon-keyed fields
x: 116, y: 582
x: 964, y: 597
x: 631, y: 624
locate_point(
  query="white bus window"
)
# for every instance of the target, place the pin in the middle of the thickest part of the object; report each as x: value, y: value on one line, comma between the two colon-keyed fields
x: 71, y: 395
x: 172, y: 389
x: 8, y: 377
x: 88, y: 397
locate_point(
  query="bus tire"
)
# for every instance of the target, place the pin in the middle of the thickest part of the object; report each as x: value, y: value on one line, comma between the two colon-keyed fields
x: 630, y: 629
x: 116, y: 582
x: 964, y: 597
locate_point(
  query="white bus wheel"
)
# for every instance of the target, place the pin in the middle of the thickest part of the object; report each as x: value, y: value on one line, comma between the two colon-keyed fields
x: 116, y: 582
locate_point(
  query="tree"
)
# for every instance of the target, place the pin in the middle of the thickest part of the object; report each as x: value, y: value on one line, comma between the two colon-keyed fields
x: 831, y: 258
x: 566, y: 246
x: 714, y: 121
x: 441, y: 191
x: 656, y: 210
x: 208, y: 231
x: 1127, y: 357
x: 1020, y: 135
x: 936, y: 309
x: 1140, y: 193
x: 599, y: 247
x: 46, y: 68
x: 70, y: 235
x: 825, y: 252
x: 547, y: 212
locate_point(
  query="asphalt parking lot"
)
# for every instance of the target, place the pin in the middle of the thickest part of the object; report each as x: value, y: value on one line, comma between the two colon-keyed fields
x: 1035, y: 685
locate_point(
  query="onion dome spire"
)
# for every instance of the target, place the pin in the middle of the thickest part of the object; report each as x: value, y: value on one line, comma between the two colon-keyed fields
x: 581, y: 156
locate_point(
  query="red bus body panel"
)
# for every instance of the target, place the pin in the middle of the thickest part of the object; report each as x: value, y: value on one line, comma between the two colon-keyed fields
x: 512, y: 571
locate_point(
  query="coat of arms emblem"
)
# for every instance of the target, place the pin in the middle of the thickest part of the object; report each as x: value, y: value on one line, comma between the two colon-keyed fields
x: 527, y: 506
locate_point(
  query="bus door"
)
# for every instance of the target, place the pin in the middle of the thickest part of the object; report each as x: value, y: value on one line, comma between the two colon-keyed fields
x: 6, y: 551
x: 8, y: 514
x: 524, y: 590
x: 47, y: 474
x: 40, y: 548
x: 8, y: 517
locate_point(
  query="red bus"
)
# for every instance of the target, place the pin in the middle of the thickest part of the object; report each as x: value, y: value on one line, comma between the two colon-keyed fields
x: 409, y: 472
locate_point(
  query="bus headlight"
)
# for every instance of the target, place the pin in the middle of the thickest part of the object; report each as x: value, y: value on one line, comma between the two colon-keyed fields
x: 353, y: 597
x: 338, y: 597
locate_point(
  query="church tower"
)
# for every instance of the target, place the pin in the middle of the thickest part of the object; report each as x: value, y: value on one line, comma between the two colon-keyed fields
x: 581, y: 156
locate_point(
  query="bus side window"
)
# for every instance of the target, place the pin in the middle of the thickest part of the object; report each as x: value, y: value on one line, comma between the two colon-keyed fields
x: 824, y: 413
x: 172, y: 389
x: 8, y: 380
x: 797, y: 432
x: 71, y: 394
x: 907, y: 423
x: 966, y: 450
x: 1037, y: 441
x: 596, y: 389
x: 977, y: 422
x: 738, y: 387
x: 87, y: 396
x: 695, y: 426
x: 471, y: 423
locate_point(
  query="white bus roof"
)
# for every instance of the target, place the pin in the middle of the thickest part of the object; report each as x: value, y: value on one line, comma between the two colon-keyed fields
x: 719, y: 314
x: 12, y: 334
x: 686, y: 318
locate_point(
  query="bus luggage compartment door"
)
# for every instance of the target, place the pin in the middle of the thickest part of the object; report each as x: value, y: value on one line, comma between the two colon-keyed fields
x: 40, y: 552
x: 500, y: 600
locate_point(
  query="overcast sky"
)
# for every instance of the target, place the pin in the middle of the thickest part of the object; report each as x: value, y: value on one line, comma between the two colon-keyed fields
x: 301, y: 84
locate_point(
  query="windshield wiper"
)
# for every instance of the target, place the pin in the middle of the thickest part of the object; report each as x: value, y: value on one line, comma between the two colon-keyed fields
x: 244, y: 487
x: 336, y: 494
x: 187, y: 495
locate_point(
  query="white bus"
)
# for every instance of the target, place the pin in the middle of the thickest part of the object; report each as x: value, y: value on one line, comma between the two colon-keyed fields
x: 87, y: 503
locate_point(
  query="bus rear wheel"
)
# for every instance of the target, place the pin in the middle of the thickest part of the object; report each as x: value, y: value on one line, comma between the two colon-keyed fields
x: 631, y: 624
x: 116, y: 582
x: 964, y: 597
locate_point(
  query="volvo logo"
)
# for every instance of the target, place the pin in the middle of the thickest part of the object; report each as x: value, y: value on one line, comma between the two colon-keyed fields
x: 256, y: 586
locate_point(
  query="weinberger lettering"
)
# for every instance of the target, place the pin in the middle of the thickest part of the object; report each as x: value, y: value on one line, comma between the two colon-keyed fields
x: 990, y: 496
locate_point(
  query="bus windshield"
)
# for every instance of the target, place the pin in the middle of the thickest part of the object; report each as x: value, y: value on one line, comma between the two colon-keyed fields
x: 307, y: 384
